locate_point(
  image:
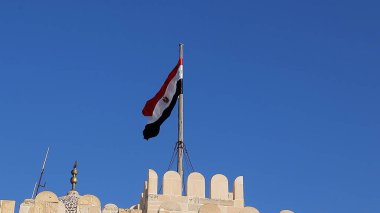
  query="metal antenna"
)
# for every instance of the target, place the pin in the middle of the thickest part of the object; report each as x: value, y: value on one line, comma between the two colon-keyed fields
x: 37, y: 186
x: 34, y: 189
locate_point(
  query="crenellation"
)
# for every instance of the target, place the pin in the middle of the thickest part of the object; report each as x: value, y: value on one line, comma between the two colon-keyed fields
x: 172, y: 184
x: 221, y: 200
x: 219, y: 187
x: 152, y: 182
x: 171, y: 200
x: 196, y: 185
x: 238, y: 191
x: 7, y: 206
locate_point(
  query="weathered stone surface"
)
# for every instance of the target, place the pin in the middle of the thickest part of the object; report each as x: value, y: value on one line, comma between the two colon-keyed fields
x: 230, y: 196
x: 45, y: 202
x: 170, y: 206
x: 226, y: 202
x: 45, y: 207
x: 233, y: 209
x: 196, y: 185
x: 152, y: 182
x: 61, y: 207
x: 286, y: 211
x: 46, y: 196
x: 171, y: 184
x: 89, y: 200
x: 219, y: 187
x: 89, y: 204
x: 238, y: 192
x: 26, y: 206
x: 181, y: 199
x: 110, y: 208
x: 7, y: 206
x: 209, y: 208
x: 194, y: 207
x: 249, y: 209
x: 238, y: 188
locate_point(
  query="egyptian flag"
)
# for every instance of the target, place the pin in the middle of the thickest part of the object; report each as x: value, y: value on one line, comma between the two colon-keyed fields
x: 161, y: 105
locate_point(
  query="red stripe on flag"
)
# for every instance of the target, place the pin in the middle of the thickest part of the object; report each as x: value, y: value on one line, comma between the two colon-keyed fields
x: 151, y: 104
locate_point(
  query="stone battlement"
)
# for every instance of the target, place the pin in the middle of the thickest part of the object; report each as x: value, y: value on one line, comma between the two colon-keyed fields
x: 172, y: 199
x: 196, y: 187
x: 194, y: 200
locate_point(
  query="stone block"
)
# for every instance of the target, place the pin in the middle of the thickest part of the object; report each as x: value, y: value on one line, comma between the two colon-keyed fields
x: 230, y: 196
x: 219, y: 187
x: 7, y: 206
x: 170, y: 206
x: 194, y: 207
x: 207, y: 201
x: 180, y: 199
x: 26, y: 206
x: 193, y: 200
x: 171, y: 184
x: 209, y: 208
x: 46, y: 207
x: 226, y: 202
x: 239, y: 203
x: 233, y: 210
x: 223, y: 209
x: 89, y: 204
x: 61, y: 208
x: 196, y: 185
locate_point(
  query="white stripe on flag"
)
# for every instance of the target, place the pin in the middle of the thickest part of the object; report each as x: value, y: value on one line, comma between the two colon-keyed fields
x: 169, y: 93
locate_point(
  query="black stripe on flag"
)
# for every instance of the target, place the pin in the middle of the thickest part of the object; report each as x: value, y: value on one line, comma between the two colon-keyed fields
x: 151, y: 130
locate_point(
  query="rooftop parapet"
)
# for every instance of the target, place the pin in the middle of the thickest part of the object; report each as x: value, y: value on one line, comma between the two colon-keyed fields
x: 172, y: 200
x: 196, y: 186
x: 194, y: 200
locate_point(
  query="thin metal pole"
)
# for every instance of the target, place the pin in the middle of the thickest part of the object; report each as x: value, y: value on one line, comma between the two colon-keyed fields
x: 180, y: 119
x: 34, y: 190
x: 42, y: 173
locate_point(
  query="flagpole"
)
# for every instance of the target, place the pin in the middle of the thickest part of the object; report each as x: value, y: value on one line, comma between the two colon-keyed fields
x: 180, y: 121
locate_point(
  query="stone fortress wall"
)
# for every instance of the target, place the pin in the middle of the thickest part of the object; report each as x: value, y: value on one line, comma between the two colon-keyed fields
x: 171, y: 200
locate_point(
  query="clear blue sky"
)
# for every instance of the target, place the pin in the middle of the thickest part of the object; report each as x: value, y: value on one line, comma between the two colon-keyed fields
x: 285, y: 93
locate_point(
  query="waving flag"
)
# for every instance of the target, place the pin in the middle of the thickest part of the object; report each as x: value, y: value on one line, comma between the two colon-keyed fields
x: 159, y: 108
